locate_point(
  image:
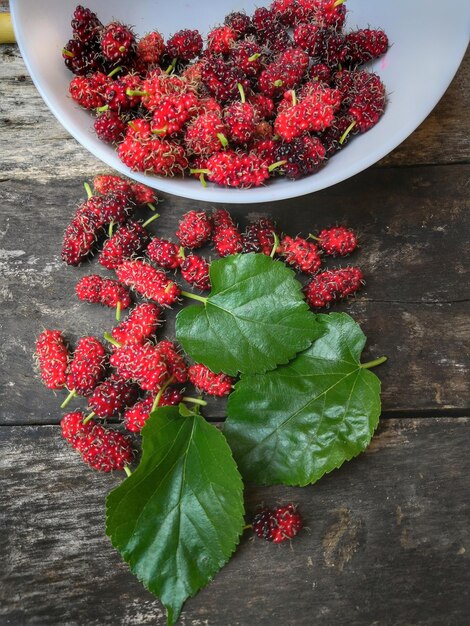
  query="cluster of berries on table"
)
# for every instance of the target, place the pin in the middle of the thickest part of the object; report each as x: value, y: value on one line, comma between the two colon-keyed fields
x: 273, y: 94
x: 131, y: 373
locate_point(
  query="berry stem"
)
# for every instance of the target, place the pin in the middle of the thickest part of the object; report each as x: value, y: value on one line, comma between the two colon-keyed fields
x: 118, y: 312
x: 88, y: 190
x: 181, y: 253
x: 67, y: 53
x: 115, y: 71
x: 105, y: 107
x: 195, y: 401
x: 193, y: 296
x: 71, y: 395
x: 151, y: 206
x: 374, y: 363
x: 242, y: 92
x: 136, y: 92
x: 111, y: 339
x: 273, y: 166
x: 310, y: 236
x: 150, y: 220
x: 122, y: 48
x: 223, y: 140
x: 275, y: 244
x: 89, y: 417
x: 171, y: 67
x: 277, y: 83
x: 254, y: 56
x: 347, y: 131
x: 110, y: 229
x: 159, y: 131
x: 202, y: 180
x: 294, y: 97
x: 338, y: 3
x: 199, y: 171
x: 160, y: 393
x: 128, y: 471
x: 247, y: 526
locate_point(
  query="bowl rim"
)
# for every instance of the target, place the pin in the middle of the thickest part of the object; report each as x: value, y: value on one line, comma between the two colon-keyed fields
x: 214, y: 194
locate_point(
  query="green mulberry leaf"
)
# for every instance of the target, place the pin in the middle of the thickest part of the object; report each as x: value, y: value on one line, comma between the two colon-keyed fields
x: 295, y: 424
x: 254, y: 319
x: 178, y: 518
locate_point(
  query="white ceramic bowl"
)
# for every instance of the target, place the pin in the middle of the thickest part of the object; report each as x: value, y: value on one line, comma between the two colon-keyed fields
x: 429, y: 39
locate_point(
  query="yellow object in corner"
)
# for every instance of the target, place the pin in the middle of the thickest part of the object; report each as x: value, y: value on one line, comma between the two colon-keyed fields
x: 7, y: 34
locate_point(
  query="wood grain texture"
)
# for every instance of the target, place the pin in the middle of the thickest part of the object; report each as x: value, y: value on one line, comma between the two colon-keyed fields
x: 415, y: 307
x: 46, y: 151
x: 387, y: 541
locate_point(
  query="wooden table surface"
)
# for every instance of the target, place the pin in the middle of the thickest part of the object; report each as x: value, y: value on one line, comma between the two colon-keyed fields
x: 388, y: 539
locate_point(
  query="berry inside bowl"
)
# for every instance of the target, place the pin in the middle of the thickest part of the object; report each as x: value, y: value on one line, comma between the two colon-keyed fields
x: 427, y: 44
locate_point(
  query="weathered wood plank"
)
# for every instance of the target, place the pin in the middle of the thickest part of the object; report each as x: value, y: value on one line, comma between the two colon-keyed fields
x: 387, y: 541
x: 443, y: 138
x: 415, y: 308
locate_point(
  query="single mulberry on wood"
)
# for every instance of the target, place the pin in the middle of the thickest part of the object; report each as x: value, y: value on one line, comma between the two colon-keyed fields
x: 301, y: 254
x: 332, y: 285
x: 53, y: 357
x: 337, y: 241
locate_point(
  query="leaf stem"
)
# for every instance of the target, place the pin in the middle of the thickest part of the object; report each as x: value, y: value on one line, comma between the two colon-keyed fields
x: 127, y: 469
x: 193, y: 296
x: 195, y: 401
x: 374, y: 363
x: 71, y: 395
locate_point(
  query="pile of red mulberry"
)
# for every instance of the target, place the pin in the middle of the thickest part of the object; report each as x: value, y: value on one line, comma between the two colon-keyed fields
x: 133, y: 372
x: 274, y: 94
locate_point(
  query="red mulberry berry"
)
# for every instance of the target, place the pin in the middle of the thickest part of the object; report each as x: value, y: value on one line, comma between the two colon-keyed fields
x: 165, y: 253
x: 194, y: 229
x: 111, y: 396
x: 333, y: 285
x: 87, y: 367
x: 141, y: 323
x: 105, y: 291
x: 117, y: 42
x: 106, y: 450
x: 176, y: 364
x: 142, y: 364
x: 337, y: 241
x: 208, y: 382
x: 195, y: 271
x: 129, y: 239
x: 53, y: 356
x: 301, y: 254
x: 149, y: 282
